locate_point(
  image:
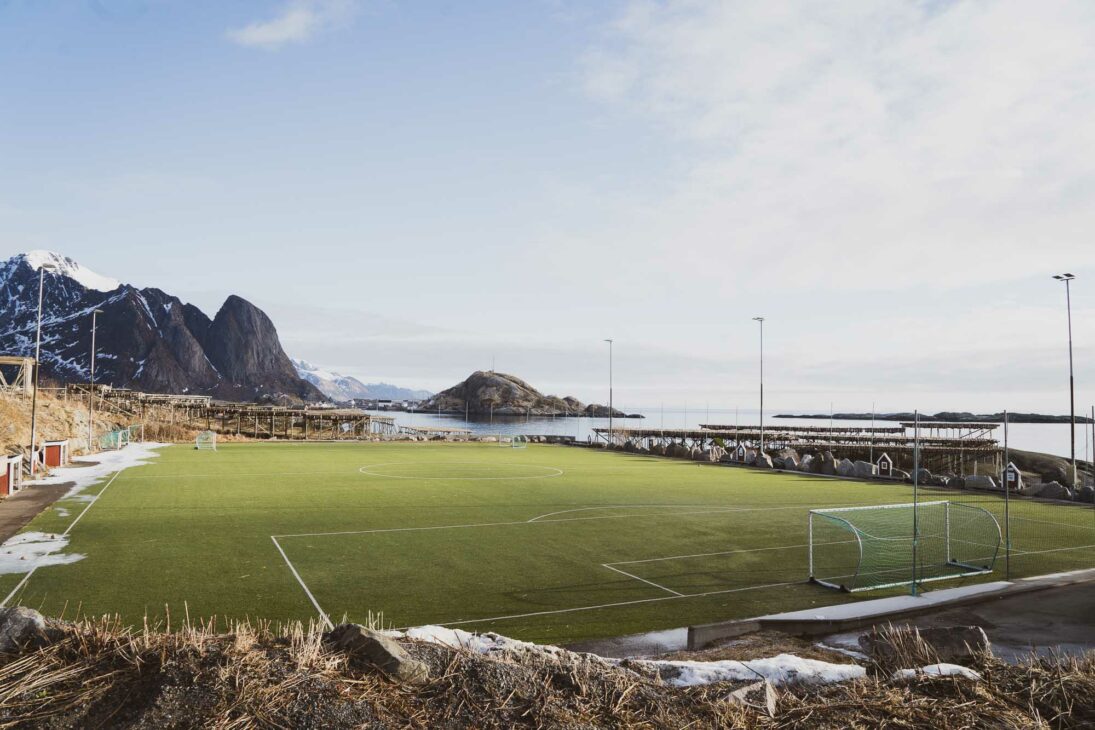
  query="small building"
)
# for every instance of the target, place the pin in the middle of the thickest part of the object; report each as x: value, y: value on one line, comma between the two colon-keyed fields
x: 11, y: 474
x: 885, y: 466
x: 740, y: 453
x: 55, y: 453
x: 1013, y: 478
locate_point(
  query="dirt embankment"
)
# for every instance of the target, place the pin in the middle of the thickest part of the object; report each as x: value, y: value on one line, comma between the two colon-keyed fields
x: 59, y: 417
x: 99, y: 674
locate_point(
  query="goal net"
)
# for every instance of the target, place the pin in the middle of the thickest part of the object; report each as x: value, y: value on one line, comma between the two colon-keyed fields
x: 206, y: 440
x: 868, y: 548
x: 519, y: 442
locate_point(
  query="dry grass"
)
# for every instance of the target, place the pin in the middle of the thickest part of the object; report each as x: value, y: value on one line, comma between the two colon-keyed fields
x: 257, y: 675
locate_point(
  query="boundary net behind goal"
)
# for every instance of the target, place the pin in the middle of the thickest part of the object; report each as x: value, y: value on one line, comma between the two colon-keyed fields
x: 869, y: 548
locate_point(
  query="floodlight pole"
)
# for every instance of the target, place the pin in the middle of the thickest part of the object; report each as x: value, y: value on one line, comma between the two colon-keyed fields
x: 91, y: 390
x: 1007, y: 503
x: 37, y: 369
x: 1067, y: 279
x: 916, y: 480
x: 609, y: 389
x: 761, y: 321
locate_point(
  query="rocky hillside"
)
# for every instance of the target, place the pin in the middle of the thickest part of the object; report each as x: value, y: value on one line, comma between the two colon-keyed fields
x: 58, y: 418
x: 486, y: 392
x: 343, y: 388
x: 146, y: 339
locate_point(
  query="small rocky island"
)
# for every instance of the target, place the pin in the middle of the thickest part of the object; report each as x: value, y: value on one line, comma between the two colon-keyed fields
x: 486, y: 393
x: 947, y: 416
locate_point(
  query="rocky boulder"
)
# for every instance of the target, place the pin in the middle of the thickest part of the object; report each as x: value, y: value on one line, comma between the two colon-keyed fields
x: 790, y: 463
x: 21, y: 627
x: 923, y: 476
x: 762, y: 460
x: 806, y: 464
x: 980, y: 481
x: 957, y: 483
x: 865, y: 470
x: 1085, y: 494
x: 1054, y: 490
x: 377, y: 650
x: 827, y: 464
x: 940, y: 480
x: 845, y: 468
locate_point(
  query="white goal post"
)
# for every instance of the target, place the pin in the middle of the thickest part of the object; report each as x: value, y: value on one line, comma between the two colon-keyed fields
x: 885, y: 546
x: 206, y: 441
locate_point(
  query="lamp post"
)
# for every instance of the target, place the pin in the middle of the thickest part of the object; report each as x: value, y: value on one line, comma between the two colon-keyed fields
x: 37, y: 368
x: 91, y: 391
x: 761, y: 321
x: 609, y: 389
x: 1067, y: 279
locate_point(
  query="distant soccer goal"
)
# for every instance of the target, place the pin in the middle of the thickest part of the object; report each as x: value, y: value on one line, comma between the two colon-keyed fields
x: 868, y: 548
x: 206, y: 440
x: 519, y: 441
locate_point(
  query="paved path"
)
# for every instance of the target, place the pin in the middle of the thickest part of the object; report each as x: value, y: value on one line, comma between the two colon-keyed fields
x: 23, y: 506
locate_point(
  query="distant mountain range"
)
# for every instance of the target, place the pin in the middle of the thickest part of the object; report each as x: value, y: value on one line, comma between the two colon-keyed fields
x: 146, y: 339
x: 344, y: 387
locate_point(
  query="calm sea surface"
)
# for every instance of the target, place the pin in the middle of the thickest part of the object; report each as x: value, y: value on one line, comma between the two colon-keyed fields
x: 1052, y: 438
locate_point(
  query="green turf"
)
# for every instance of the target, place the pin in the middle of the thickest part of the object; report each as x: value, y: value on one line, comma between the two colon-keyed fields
x: 518, y: 539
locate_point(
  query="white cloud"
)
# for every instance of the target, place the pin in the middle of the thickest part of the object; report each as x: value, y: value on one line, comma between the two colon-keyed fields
x: 931, y: 143
x: 298, y: 21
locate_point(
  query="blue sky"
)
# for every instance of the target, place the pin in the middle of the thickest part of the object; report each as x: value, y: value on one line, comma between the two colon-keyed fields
x: 412, y: 188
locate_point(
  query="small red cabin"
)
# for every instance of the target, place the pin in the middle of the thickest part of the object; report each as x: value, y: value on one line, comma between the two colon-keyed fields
x: 55, y: 453
x: 885, y: 465
x: 11, y: 474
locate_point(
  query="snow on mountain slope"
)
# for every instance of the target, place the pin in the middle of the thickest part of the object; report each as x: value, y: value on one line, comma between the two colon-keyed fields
x: 344, y: 387
x: 67, y: 267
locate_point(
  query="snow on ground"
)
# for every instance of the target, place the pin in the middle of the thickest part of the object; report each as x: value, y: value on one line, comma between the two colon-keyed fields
x: 88, y: 470
x: 937, y: 670
x: 27, y: 550
x: 781, y: 669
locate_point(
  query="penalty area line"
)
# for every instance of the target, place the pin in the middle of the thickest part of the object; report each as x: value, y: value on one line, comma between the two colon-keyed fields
x: 644, y: 580
x: 322, y: 614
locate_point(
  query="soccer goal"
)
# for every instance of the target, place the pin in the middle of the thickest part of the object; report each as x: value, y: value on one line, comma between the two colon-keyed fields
x: 519, y: 441
x: 206, y: 440
x: 868, y: 548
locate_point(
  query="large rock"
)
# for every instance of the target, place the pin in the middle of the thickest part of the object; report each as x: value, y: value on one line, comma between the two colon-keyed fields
x: 940, y: 480
x: 379, y: 651
x: 865, y: 470
x: 807, y: 463
x: 789, y: 463
x: 957, y: 483
x: 20, y: 627
x: 788, y: 453
x: 657, y: 449
x: 827, y: 464
x: 900, y: 474
x: 980, y: 481
x: 750, y: 457
x: 845, y: 468
x: 764, y: 461
x: 947, y: 643
x: 1085, y: 494
x: 923, y: 476
x: 1054, y: 490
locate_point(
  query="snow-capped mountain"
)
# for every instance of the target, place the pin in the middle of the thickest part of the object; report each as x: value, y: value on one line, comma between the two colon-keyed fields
x: 344, y: 387
x: 146, y: 339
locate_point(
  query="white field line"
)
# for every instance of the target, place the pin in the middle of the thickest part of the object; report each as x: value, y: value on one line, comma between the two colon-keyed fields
x: 322, y: 614
x: 623, y: 603
x: 534, y: 521
x: 552, y: 471
x: 19, y: 586
x: 644, y: 580
x: 728, y: 552
x: 1052, y: 550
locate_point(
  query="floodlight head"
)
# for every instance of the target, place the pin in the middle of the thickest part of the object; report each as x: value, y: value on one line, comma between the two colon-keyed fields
x: 48, y: 267
x: 96, y: 311
x: 758, y: 319
x: 1064, y: 277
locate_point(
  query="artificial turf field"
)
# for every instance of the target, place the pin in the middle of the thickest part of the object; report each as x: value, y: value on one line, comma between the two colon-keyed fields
x: 548, y: 543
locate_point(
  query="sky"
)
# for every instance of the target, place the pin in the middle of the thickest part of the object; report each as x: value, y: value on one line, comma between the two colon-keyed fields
x: 416, y: 190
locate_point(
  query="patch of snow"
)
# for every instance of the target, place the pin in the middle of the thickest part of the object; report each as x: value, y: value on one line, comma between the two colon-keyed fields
x: 780, y: 669
x: 28, y: 550
x: 99, y: 466
x: 936, y: 670
x: 73, y: 270
x: 853, y: 653
x: 61, y: 511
